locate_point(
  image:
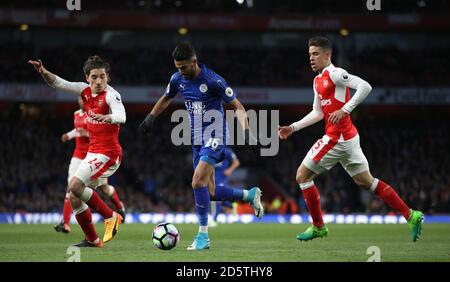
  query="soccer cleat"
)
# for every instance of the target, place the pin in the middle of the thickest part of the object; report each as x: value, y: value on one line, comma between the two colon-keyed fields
x: 201, y: 242
x: 112, y: 226
x: 86, y: 244
x: 254, y: 196
x: 62, y: 227
x: 415, y: 224
x: 313, y: 232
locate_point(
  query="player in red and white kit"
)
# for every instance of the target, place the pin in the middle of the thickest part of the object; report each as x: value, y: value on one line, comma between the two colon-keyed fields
x: 105, y: 112
x: 80, y: 134
x: 341, y: 140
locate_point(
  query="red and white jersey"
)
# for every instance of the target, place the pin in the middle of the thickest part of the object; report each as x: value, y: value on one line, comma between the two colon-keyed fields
x: 332, y: 94
x: 81, y: 142
x: 103, y: 137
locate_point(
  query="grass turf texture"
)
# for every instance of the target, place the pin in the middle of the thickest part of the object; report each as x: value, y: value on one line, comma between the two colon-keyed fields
x: 232, y: 242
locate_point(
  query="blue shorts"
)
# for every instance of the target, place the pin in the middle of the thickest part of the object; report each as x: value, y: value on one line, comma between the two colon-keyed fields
x: 207, y: 154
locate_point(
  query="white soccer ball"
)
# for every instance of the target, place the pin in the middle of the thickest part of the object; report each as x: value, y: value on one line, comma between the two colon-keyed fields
x: 165, y: 236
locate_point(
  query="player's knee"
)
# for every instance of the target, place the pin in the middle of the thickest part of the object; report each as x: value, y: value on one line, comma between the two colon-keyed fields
x: 74, y: 201
x: 198, y: 182
x: 76, y: 187
x: 301, y: 177
x: 363, y: 183
x: 304, y: 174
x: 104, y: 189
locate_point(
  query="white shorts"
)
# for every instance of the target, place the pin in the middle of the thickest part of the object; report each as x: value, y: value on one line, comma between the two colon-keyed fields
x: 95, y: 169
x: 74, y: 164
x: 325, y: 153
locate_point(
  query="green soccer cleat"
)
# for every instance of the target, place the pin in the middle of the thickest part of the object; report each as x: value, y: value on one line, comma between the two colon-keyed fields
x: 313, y: 232
x: 415, y: 224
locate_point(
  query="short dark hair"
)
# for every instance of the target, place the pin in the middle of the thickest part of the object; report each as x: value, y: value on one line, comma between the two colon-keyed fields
x: 183, y: 51
x: 95, y: 62
x: 320, y: 41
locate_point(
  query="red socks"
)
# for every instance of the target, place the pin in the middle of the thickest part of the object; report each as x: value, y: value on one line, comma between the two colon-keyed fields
x: 390, y: 197
x: 85, y: 221
x: 67, y: 211
x: 116, y: 201
x: 312, y: 199
x: 99, y: 205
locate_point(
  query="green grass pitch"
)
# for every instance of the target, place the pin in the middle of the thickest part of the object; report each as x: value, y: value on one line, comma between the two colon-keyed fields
x: 232, y: 242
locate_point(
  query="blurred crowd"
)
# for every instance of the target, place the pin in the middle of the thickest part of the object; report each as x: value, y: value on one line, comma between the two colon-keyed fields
x: 243, y: 66
x: 155, y: 176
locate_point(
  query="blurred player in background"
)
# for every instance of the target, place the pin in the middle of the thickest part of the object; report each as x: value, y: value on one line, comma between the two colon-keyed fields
x: 341, y: 140
x: 81, y: 136
x: 203, y: 91
x: 223, y: 170
x: 105, y: 112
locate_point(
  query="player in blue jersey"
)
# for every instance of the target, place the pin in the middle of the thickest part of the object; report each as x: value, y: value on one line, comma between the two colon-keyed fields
x: 203, y: 92
x: 223, y: 170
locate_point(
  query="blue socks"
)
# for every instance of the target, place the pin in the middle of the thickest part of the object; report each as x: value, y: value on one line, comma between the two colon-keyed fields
x: 202, y: 202
x: 224, y: 193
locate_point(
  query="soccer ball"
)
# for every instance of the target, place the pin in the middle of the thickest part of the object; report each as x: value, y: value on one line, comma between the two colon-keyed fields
x: 165, y: 236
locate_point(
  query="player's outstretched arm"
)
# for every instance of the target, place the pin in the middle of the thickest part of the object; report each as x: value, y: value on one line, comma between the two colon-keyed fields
x: 160, y: 106
x: 249, y: 139
x: 55, y: 81
x: 69, y: 135
x: 285, y: 131
x: 241, y: 114
x: 313, y: 117
x: 46, y: 75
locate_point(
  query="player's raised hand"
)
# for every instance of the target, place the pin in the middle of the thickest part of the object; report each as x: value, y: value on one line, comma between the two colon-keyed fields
x: 38, y: 66
x: 285, y: 131
x: 336, y: 116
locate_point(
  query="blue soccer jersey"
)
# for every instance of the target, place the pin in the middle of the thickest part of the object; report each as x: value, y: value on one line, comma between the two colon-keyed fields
x: 220, y: 178
x: 203, y: 98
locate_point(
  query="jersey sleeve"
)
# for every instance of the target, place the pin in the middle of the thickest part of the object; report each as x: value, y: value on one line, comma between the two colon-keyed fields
x: 224, y: 91
x: 67, y: 86
x: 171, y: 89
x: 116, y: 107
x: 341, y: 77
x: 72, y: 134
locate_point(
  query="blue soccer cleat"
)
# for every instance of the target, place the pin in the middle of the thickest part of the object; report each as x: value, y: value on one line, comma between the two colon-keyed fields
x: 201, y: 242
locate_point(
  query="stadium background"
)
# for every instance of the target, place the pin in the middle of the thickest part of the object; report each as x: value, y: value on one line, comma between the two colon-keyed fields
x: 260, y: 48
